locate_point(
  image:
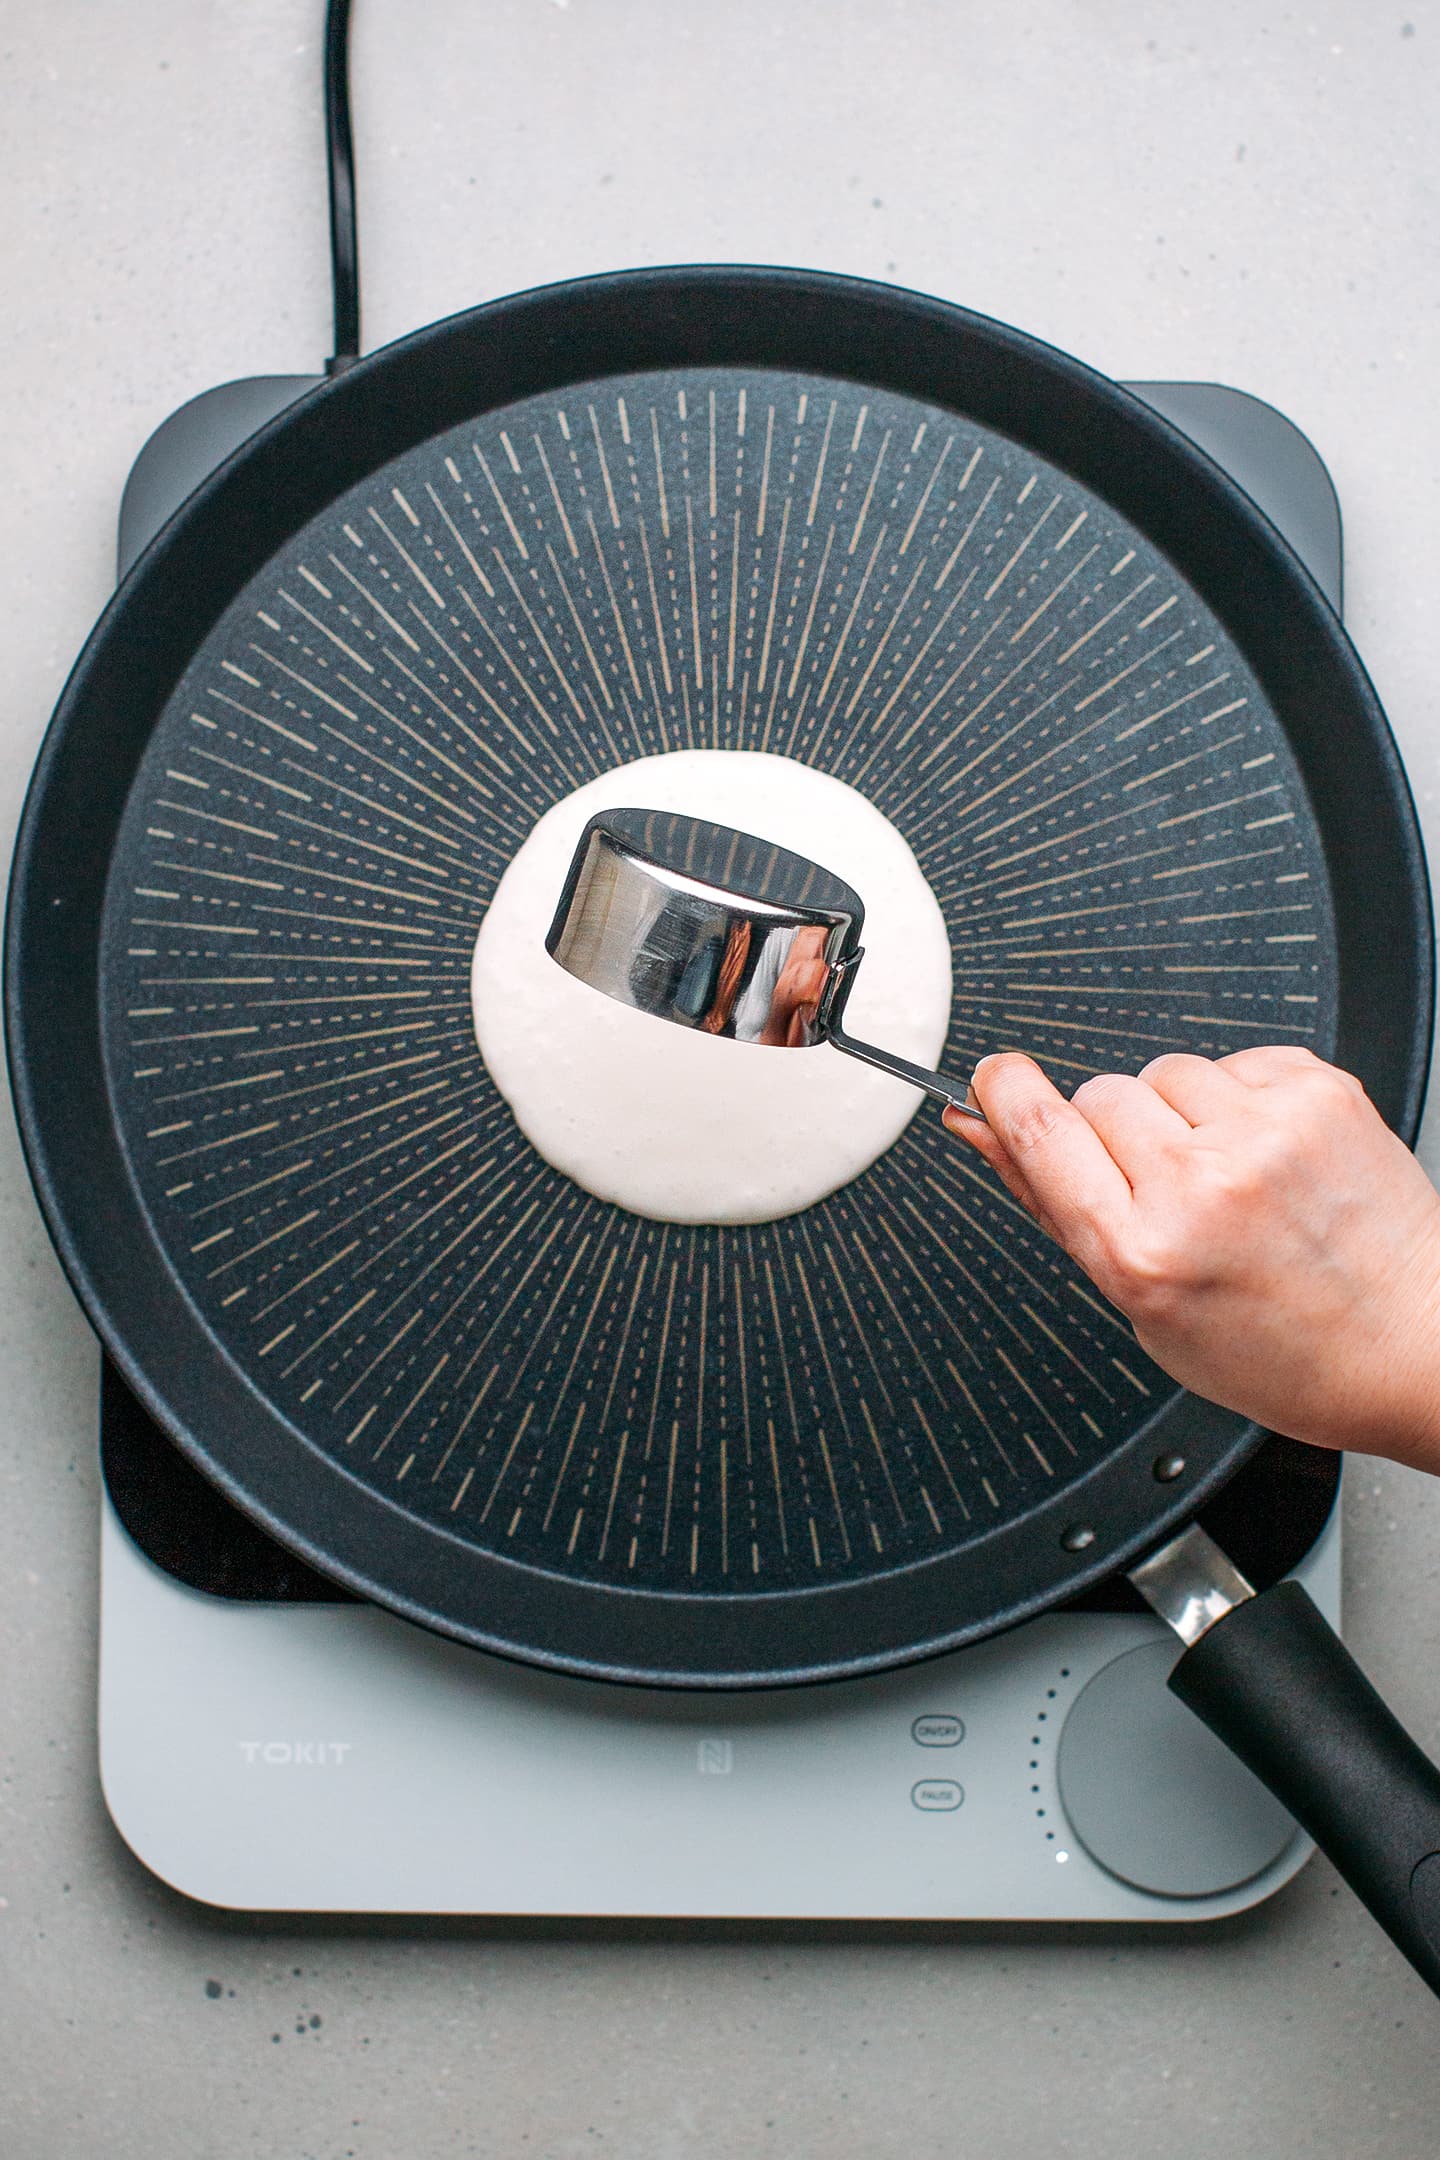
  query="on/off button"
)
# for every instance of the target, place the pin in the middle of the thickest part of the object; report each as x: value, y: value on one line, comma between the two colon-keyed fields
x: 936, y: 1795
x: 937, y: 1730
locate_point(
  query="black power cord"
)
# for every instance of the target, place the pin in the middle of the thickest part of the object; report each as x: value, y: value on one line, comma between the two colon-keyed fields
x: 340, y: 152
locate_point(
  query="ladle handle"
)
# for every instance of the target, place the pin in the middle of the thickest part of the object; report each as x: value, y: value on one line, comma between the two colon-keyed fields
x: 952, y: 1092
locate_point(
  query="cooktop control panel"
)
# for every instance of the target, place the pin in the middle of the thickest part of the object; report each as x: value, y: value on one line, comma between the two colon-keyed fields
x: 327, y: 1757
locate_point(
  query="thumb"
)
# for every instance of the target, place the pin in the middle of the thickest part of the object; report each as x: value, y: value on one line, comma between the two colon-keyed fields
x: 1047, y: 1152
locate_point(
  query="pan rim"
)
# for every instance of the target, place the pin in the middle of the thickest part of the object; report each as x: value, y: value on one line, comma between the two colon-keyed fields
x: 664, y: 311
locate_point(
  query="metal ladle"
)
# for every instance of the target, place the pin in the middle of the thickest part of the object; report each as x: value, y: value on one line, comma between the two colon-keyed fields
x: 718, y: 931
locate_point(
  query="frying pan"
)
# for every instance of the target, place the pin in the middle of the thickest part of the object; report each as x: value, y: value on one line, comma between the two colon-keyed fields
x: 724, y: 508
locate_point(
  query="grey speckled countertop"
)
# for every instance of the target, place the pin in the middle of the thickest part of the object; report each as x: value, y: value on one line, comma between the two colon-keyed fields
x: 1244, y: 192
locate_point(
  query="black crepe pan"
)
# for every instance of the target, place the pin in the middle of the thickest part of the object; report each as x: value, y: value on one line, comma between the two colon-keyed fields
x: 679, y: 509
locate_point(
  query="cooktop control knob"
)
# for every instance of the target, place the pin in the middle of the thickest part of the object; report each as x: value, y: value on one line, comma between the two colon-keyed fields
x: 1150, y: 1792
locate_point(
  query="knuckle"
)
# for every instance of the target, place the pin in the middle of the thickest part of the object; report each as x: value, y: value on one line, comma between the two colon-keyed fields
x: 1271, y: 1063
x: 1152, y: 1274
x: 1339, y: 1083
x: 1300, y: 1055
x: 1101, y: 1090
x: 1227, y: 1187
x: 1171, y: 1064
x: 1029, y: 1125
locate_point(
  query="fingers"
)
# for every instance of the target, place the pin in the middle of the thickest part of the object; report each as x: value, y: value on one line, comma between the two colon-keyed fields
x: 1141, y: 1131
x: 1077, y: 1166
x: 987, y: 1143
x: 1062, y: 1169
x: 1200, y: 1089
x: 1273, y: 1064
x: 1205, y: 1091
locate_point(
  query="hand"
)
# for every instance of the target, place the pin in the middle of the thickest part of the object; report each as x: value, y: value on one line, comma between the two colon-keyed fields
x: 1275, y: 1247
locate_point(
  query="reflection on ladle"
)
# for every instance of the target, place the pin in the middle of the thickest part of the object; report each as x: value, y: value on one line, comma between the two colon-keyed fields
x: 715, y: 930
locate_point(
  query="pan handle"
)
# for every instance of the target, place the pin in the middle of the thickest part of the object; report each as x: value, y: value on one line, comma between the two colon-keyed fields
x: 1273, y: 1680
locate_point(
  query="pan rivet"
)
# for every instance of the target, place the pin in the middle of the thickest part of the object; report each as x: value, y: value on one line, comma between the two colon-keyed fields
x: 1169, y: 1467
x: 1077, y: 1537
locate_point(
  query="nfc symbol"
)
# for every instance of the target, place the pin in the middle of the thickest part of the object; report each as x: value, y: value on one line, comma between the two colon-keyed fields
x: 714, y: 1758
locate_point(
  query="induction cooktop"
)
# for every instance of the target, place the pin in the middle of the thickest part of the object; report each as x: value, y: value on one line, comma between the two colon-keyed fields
x: 268, y: 1742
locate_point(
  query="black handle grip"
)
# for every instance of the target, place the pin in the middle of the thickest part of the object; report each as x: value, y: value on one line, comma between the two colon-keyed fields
x: 1274, y: 1681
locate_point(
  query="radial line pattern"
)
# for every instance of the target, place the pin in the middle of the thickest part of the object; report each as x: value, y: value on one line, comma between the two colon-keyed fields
x: 1104, y: 803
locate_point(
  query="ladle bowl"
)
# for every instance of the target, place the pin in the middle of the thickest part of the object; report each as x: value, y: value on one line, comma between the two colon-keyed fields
x: 716, y: 930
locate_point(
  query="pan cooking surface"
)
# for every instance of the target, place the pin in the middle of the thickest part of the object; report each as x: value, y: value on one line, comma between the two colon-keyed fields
x: 1098, y: 791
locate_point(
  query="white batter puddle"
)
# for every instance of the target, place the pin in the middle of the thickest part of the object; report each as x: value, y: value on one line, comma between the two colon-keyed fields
x: 679, y: 1126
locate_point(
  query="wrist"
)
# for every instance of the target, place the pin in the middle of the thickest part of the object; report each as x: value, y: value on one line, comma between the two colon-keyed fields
x: 1396, y: 1412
